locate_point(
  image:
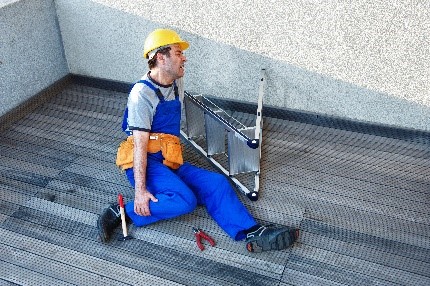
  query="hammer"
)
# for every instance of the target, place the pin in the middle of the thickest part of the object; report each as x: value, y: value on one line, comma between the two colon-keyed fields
x: 125, y: 236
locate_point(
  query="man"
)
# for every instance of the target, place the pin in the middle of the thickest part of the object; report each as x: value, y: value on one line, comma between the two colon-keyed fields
x: 165, y: 186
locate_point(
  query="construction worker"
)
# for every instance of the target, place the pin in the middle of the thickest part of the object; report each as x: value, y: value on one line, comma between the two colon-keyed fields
x: 165, y: 186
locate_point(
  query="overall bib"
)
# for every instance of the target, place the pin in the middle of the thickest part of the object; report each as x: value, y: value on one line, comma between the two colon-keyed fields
x: 180, y: 191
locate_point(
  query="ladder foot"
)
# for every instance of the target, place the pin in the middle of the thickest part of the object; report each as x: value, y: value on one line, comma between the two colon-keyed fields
x: 253, y: 196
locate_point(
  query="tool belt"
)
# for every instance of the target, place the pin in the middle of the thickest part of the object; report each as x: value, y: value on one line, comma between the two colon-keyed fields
x: 169, y: 145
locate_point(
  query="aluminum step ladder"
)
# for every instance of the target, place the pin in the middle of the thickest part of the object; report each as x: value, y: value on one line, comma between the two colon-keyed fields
x: 228, y: 144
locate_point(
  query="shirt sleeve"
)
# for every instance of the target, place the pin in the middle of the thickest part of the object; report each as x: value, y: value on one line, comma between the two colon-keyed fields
x: 140, y: 109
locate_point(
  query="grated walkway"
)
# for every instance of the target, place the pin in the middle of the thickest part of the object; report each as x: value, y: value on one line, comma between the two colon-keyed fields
x: 361, y: 201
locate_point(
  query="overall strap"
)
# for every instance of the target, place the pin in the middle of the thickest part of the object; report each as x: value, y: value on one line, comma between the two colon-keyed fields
x: 176, y: 90
x: 157, y: 92
x: 151, y: 86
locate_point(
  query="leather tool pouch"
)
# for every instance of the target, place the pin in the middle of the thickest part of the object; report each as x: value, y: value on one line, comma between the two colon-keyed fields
x: 172, y: 153
x: 170, y: 147
x: 124, y: 155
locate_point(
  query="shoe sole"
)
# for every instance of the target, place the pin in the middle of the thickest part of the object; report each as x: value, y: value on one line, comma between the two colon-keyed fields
x: 281, y: 241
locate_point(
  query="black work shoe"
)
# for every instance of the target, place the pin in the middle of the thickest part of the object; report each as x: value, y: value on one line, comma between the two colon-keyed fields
x: 109, y: 219
x: 264, y: 238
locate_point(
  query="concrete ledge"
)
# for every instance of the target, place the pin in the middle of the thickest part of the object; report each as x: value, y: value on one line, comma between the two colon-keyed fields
x: 33, y: 102
x: 119, y: 86
x: 410, y: 135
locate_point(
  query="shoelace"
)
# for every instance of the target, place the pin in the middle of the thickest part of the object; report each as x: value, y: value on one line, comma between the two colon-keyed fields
x: 117, y: 212
x: 258, y: 232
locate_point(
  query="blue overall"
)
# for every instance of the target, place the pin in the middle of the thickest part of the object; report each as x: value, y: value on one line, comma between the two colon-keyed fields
x: 180, y: 191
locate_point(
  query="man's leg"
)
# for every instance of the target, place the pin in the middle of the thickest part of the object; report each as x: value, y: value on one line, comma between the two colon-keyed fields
x: 214, y: 191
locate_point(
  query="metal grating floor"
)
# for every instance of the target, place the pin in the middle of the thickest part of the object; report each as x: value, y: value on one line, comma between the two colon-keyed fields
x: 361, y: 201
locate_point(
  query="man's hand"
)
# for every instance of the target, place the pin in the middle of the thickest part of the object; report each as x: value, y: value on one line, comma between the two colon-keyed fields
x: 141, y: 203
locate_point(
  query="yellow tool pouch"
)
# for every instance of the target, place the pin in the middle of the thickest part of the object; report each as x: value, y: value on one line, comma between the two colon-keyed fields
x: 169, y: 145
x: 124, y: 155
x: 171, y: 149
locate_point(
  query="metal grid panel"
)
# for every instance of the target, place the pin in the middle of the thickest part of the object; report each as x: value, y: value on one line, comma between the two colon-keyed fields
x: 359, y: 198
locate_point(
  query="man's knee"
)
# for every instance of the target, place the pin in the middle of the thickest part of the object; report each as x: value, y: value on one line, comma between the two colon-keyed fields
x: 178, y: 202
x: 187, y: 205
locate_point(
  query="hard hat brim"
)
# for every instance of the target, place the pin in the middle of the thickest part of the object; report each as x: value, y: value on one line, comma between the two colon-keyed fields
x: 183, y: 45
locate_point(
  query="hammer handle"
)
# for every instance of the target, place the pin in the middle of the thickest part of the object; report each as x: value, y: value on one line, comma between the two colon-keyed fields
x: 123, y: 224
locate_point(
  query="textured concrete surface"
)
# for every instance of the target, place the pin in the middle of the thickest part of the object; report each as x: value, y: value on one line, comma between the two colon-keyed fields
x: 363, y: 60
x: 31, y: 51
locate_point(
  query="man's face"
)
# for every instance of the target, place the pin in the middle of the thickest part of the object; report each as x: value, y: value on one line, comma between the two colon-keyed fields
x: 174, y: 64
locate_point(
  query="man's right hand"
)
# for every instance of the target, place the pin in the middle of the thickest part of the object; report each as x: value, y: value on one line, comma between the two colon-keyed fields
x: 141, y: 202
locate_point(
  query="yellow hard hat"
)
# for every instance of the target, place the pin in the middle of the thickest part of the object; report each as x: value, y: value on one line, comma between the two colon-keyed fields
x: 160, y: 38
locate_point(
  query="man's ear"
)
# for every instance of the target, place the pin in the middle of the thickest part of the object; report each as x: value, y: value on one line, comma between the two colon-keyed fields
x: 160, y: 57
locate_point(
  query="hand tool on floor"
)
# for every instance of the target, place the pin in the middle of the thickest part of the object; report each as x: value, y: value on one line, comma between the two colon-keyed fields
x: 125, y: 236
x: 199, y: 234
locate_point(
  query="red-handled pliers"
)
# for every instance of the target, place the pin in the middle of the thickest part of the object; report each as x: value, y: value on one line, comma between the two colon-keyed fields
x: 199, y: 234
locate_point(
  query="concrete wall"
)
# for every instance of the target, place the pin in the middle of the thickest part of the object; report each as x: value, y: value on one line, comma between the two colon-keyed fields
x: 31, y: 50
x: 363, y: 60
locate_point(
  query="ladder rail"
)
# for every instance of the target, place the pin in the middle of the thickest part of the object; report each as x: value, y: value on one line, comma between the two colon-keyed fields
x: 259, y: 125
x: 259, y: 119
x: 220, y: 110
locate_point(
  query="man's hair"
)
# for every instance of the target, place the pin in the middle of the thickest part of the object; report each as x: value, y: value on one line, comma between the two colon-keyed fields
x: 152, y: 63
